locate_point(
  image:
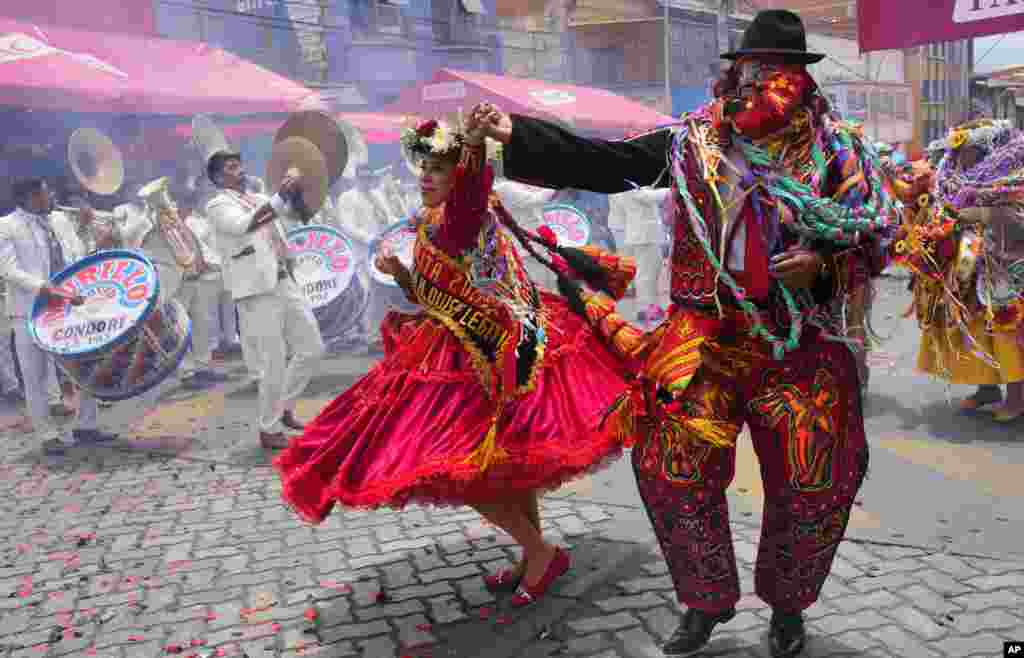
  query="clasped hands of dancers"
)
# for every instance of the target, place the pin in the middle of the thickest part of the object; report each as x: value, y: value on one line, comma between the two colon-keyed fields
x: 497, y: 390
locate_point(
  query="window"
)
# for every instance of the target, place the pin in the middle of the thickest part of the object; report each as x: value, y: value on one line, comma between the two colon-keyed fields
x: 926, y: 90
x: 899, y: 109
x: 388, y: 16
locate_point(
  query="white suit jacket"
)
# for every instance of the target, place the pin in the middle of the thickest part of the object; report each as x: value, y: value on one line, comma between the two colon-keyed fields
x: 249, y: 262
x: 360, y: 217
x: 74, y: 244
x: 24, y: 261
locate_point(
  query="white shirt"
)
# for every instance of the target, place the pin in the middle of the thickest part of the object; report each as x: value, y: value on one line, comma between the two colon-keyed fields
x: 639, y: 212
x: 24, y: 260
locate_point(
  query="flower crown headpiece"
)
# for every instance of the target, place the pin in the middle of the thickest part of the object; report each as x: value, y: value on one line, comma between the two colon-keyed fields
x: 984, y: 133
x: 431, y: 137
x: 438, y: 137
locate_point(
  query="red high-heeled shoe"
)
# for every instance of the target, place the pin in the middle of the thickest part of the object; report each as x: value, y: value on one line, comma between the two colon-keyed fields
x: 505, y: 580
x: 526, y: 595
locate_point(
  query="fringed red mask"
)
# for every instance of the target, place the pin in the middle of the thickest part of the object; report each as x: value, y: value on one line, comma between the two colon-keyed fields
x: 769, y: 94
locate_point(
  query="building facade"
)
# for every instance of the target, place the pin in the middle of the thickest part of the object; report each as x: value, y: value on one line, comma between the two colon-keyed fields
x: 619, y: 45
x: 365, y: 51
x: 939, y: 75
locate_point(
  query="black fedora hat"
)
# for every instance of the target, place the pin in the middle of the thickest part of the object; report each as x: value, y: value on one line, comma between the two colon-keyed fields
x: 776, y: 32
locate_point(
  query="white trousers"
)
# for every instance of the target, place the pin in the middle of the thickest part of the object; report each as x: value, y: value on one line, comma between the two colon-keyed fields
x: 198, y: 297
x: 227, y: 320
x: 37, y: 373
x: 278, y: 323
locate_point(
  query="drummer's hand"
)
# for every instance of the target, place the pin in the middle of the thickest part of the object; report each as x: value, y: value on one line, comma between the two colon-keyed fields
x: 389, y: 264
x: 289, y: 186
x: 494, y: 123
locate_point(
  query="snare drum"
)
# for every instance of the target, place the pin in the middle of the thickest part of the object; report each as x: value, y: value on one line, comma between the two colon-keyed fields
x: 325, y: 268
x: 122, y: 341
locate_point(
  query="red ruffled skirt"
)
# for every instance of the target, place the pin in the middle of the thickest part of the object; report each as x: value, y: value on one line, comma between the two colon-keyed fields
x: 405, y: 432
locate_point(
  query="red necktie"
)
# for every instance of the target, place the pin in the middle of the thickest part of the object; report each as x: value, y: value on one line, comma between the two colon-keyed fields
x: 756, y: 276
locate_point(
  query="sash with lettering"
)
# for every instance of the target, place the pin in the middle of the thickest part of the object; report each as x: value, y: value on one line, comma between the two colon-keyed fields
x: 506, y: 352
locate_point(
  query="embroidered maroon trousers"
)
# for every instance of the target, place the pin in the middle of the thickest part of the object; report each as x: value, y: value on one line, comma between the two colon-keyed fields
x: 805, y: 418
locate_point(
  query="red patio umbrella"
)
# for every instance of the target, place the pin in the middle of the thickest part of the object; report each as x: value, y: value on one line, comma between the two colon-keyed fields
x: 65, y: 69
x: 586, y: 108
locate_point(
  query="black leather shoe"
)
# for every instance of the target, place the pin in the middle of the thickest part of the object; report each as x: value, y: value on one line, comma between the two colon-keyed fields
x: 787, y: 634
x: 694, y: 632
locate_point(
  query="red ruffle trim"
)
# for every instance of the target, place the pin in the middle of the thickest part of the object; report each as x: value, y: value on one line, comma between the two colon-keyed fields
x: 453, y: 484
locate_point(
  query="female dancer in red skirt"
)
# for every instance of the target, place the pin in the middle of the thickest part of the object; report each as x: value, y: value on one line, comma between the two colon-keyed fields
x: 492, y: 394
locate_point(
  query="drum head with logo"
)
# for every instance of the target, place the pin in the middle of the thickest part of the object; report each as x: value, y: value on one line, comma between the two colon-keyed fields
x: 569, y: 224
x: 324, y: 263
x: 399, y: 239
x: 120, y: 289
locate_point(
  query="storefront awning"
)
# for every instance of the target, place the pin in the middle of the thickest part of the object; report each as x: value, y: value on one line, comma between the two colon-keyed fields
x: 585, y: 108
x: 64, y: 69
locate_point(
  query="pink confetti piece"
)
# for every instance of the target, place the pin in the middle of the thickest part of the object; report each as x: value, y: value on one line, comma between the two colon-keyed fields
x: 91, y: 651
x: 485, y: 613
x: 211, y: 616
x: 136, y: 638
x: 503, y: 620
x: 56, y: 595
x: 72, y: 509
x: 24, y: 548
x: 423, y: 627
x: 41, y: 648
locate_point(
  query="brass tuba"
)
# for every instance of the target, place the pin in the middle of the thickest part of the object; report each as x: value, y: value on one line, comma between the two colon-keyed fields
x: 184, y: 245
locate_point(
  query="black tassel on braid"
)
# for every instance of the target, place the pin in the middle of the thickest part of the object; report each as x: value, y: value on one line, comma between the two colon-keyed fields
x: 581, y: 264
x: 587, y: 267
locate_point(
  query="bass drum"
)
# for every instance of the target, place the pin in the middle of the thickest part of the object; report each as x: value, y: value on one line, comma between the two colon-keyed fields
x: 568, y: 223
x: 326, y: 268
x: 122, y: 341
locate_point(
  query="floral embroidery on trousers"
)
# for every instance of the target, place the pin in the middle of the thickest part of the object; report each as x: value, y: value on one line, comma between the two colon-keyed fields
x: 806, y: 424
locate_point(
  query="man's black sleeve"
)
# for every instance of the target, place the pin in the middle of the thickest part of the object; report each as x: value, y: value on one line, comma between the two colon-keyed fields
x: 546, y: 155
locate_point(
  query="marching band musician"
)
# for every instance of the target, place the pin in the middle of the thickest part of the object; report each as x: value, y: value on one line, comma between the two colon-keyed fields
x: 138, y: 227
x: 362, y: 217
x: 273, y: 313
x: 30, y: 254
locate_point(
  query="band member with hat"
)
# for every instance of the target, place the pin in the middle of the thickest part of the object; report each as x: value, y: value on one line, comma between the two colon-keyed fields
x: 273, y: 314
x: 30, y: 253
x: 778, y: 212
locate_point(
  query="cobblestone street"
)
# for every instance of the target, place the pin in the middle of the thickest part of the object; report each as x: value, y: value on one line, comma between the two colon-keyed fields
x: 174, y: 541
x: 120, y: 554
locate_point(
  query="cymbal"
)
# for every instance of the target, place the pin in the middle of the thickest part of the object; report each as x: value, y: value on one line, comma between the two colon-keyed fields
x: 302, y: 156
x: 95, y: 161
x: 323, y: 131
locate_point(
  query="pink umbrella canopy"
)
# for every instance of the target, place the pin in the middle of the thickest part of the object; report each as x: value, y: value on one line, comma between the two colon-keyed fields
x: 65, y: 69
x: 586, y: 108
